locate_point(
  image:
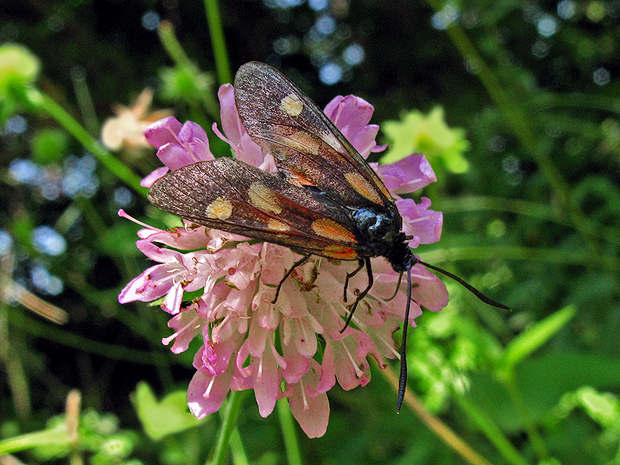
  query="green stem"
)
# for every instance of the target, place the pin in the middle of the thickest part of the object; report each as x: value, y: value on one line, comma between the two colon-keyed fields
x: 520, y: 207
x: 239, y: 457
x: 289, y: 432
x: 85, y: 101
x: 490, y: 430
x: 218, y: 42
x: 44, y: 103
x: 71, y: 339
x: 181, y: 60
x: 228, y: 426
x: 52, y: 437
x: 434, y: 424
x: 532, y: 432
x: 576, y: 100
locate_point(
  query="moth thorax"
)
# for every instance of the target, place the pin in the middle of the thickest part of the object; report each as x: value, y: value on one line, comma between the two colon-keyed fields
x: 375, y: 225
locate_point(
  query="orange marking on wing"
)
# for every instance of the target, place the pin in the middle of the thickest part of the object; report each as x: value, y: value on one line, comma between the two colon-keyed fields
x: 295, y: 177
x: 331, y: 230
x: 340, y: 252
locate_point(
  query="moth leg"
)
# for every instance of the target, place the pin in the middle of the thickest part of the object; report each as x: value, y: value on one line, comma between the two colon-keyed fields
x: 362, y: 294
x: 400, y: 278
x: 350, y: 275
x: 299, y: 262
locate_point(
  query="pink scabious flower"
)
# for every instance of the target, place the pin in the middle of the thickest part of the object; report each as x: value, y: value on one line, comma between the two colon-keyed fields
x: 295, y: 347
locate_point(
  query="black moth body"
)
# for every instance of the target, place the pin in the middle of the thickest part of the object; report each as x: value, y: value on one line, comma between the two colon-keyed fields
x: 324, y: 199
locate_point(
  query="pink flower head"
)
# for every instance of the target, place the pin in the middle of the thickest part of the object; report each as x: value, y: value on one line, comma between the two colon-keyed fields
x: 249, y: 342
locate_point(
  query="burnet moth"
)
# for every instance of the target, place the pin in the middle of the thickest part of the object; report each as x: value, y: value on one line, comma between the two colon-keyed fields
x: 324, y: 199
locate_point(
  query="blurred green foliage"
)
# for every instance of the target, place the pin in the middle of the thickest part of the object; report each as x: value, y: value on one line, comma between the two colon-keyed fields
x: 516, y: 105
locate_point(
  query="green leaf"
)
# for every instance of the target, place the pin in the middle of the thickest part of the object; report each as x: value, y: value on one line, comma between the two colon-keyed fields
x: 161, y: 419
x: 429, y: 134
x: 526, y: 343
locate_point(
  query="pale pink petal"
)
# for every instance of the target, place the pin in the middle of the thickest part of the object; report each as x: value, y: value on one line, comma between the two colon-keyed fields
x: 310, y: 411
x: 431, y: 292
x: 296, y: 364
x: 231, y: 124
x: 266, y: 382
x: 150, y: 285
x: 424, y: 225
x: 174, y: 156
x: 173, y: 300
x: 186, y: 327
x: 206, y: 393
x: 154, y: 176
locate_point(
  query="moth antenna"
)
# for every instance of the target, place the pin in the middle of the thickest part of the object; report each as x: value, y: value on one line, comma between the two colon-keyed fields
x: 469, y: 287
x: 402, y: 379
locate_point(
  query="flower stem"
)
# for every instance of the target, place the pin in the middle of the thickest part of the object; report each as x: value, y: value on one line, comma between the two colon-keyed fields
x: 530, y: 427
x: 490, y: 430
x: 291, y: 444
x: 174, y: 49
x: 44, y: 103
x: 228, y: 426
x: 218, y: 42
x: 442, y: 430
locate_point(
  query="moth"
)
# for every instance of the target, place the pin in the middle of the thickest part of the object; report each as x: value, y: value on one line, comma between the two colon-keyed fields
x: 324, y: 199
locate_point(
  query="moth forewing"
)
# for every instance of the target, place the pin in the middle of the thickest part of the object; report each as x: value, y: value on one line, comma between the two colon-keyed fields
x: 306, y: 145
x: 230, y: 195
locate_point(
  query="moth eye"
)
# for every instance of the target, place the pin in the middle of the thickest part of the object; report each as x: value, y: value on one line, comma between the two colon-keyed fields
x: 292, y: 105
x: 220, y: 209
x: 264, y: 198
x: 331, y: 230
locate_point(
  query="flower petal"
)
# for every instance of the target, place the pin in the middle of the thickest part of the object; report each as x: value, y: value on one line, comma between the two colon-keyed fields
x: 310, y: 411
x: 163, y: 131
x: 408, y: 175
x: 206, y: 393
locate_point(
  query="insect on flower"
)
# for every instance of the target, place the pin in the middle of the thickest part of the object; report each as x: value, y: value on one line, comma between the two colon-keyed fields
x: 324, y: 200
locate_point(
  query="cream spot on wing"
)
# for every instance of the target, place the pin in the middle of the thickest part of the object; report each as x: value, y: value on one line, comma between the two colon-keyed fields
x: 220, y: 209
x: 264, y: 198
x: 292, y: 105
x: 362, y: 186
x: 277, y: 225
x: 331, y: 230
x: 303, y: 142
x: 331, y: 139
